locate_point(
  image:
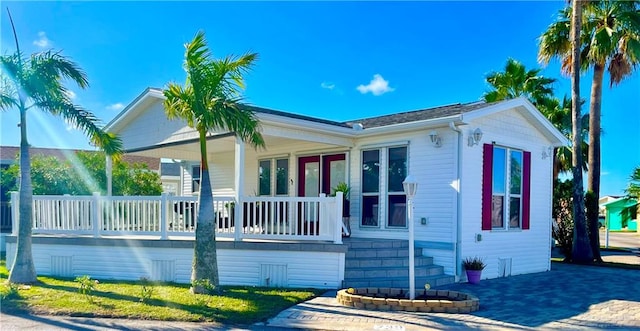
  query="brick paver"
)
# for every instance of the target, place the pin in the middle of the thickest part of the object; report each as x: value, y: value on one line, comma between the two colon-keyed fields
x: 568, y: 297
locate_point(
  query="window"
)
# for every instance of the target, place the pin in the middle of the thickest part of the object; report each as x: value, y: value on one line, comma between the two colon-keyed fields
x: 282, y: 177
x: 370, y: 187
x: 264, y: 177
x: 397, y: 201
x: 391, y: 190
x: 195, y: 178
x: 506, y: 182
x: 273, y: 168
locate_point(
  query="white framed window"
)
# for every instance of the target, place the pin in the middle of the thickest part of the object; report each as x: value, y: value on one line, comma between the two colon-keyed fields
x: 195, y: 178
x: 506, y: 199
x: 273, y: 177
x: 390, y: 191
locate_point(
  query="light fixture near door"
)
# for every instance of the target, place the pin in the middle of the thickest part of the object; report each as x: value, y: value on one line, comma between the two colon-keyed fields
x: 475, y: 137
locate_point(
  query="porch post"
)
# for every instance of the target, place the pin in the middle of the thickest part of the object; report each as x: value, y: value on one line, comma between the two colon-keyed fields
x: 109, y: 170
x: 15, y: 212
x: 95, y: 215
x: 337, y: 212
x: 239, y: 189
x: 164, y: 205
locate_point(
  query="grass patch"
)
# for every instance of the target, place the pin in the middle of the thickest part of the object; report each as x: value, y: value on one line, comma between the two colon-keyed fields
x: 134, y: 300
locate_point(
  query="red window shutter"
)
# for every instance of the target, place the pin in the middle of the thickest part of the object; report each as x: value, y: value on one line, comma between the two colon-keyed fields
x: 487, y: 185
x: 526, y: 191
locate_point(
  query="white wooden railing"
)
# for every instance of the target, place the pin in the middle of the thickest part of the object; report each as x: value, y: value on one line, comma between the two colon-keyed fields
x: 165, y: 216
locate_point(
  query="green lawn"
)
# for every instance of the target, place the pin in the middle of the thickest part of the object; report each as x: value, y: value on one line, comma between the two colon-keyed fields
x: 167, y: 301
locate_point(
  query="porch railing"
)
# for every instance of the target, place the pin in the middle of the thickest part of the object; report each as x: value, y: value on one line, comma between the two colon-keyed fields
x: 279, y: 218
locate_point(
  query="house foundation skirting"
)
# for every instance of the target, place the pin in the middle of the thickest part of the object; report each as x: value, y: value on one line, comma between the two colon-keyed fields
x: 277, y: 264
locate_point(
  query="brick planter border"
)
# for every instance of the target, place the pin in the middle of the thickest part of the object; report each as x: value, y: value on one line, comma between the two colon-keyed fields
x: 366, y: 298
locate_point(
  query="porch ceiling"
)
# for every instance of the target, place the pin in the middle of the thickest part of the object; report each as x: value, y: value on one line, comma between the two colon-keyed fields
x: 190, y: 150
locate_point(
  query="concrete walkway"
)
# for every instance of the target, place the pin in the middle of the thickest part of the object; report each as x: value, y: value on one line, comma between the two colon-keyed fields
x: 567, y: 298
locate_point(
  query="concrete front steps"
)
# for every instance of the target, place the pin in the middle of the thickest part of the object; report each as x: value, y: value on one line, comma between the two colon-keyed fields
x: 385, y: 263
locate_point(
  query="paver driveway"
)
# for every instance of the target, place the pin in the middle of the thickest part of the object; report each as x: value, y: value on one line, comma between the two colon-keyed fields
x: 567, y: 298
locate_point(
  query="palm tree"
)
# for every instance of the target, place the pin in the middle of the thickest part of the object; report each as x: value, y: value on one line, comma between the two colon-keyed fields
x: 36, y: 83
x: 516, y: 81
x: 610, y: 39
x: 210, y: 100
x: 581, y: 251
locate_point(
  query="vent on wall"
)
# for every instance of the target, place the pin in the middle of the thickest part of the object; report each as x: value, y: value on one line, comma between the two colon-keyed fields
x: 273, y: 275
x: 163, y: 270
x: 62, y: 266
x: 504, y: 267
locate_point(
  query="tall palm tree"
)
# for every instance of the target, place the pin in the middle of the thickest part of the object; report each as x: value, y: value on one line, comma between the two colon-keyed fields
x: 516, y: 81
x: 210, y: 100
x: 36, y: 82
x: 609, y: 40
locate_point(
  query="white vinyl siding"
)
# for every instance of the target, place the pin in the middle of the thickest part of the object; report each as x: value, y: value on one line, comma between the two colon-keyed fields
x: 529, y: 250
x: 236, y: 266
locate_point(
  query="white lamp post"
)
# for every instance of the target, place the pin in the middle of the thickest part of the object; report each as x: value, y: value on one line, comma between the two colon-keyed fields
x: 410, y: 187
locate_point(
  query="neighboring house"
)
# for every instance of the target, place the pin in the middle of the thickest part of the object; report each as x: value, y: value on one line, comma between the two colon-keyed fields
x: 484, y: 174
x: 602, y: 201
x: 614, y: 217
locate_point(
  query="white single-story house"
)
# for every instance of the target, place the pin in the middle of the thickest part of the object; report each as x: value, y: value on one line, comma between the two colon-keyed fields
x: 484, y: 174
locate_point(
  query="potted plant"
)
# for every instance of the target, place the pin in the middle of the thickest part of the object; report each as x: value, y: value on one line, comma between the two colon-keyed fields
x: 346, y: 205
x: 473, y: 266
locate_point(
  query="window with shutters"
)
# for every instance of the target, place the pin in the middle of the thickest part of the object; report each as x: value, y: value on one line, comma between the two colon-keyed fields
x: 506, y: 186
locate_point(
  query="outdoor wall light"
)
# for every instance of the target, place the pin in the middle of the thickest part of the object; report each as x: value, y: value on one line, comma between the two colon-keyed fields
x: 475, y: 137
x: 435, y: 138
x: 547, y: 152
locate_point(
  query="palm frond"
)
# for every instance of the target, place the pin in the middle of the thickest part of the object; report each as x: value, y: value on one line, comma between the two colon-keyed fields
x: 52, y: 65
x: 211, y: 96
x: 555, y: 41
x: 84, y: 120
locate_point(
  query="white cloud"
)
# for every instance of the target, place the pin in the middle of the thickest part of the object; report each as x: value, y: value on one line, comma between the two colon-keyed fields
x: 377, y: 86
x: 328, y: 85
x: 70, y: 94
x: 42, y: 41
x: 115, y: 107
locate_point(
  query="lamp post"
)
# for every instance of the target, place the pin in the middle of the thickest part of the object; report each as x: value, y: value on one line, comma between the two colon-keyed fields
x: 410, y: 187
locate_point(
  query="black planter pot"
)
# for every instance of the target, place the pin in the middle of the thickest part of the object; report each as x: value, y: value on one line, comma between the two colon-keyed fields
x: 346, y: 208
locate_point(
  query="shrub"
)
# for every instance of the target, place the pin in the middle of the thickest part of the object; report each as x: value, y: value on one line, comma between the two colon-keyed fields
x: 86, y: 286
x: 146, y: 289
x: 562, y: 225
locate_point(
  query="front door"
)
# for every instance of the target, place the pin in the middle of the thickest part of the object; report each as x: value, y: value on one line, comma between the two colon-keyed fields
x: 317, y: 174
x: 315, y: 177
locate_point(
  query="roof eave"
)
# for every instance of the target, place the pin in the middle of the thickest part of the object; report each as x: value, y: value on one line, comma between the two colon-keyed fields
x: 149, y: 92
x: 556, y: 137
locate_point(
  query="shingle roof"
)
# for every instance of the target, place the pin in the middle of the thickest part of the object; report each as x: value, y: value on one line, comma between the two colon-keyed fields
x: 377, y: 121
x: 419, y: 115
x: 10, y: 153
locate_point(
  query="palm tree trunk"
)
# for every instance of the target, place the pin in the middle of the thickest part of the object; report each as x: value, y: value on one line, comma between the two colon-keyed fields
x: 205, y: 259
x: 581, y: 251
x: 593, y: 176
x: 23, y: 270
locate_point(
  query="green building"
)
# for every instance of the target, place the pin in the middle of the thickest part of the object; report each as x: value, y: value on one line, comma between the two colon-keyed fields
x: 614, y: 217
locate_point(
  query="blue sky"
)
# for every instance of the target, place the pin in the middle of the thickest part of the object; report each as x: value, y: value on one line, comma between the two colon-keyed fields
x: 334, y: 60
